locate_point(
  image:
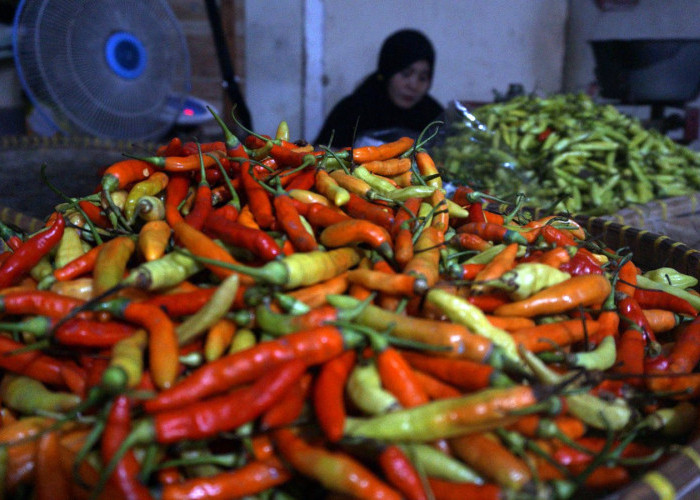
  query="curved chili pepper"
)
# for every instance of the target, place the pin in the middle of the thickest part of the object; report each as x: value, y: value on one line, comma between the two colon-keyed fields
x: 383, y: 151
x: 321, y: 216
x: 94, y: 213
x: 51, y: 484
x: 425, y: 262
x: 41, y: 302
x: 336, y: 470
x: 313, y: 346
x: 125, y: 476
x: 357, y: 231
x: 111, y: 263
x: 125, y: 172
x: 258, y: 198
x: 288, y: 217
x: 235, y: 233
x: 180, y: 163
x: 202, y: 201
x: 175, y: 194
x: 226, y: 412
x: 24, y: 258
x: 290, y: 406
x: 33, y: 364
x: 630, y: 310
x: 162, y: 339
x: 660, y: 299
x: 492, y: 232
x: 401, y: 473
x: 185, y: 303
x: 248, y: 480
x: 362, y: 209
x: 450, y: 490
x: 463, y: 373
x: 398, y: 378
x: 630, y: 356
x: 585, y: 290
x: 492, y: 459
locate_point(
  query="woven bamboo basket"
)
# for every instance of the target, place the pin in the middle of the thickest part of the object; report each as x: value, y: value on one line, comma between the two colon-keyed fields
x: 678, y: 218
x: 678, y: 477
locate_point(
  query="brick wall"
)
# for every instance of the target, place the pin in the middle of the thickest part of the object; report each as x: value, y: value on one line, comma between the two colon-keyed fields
x: 205, y: 72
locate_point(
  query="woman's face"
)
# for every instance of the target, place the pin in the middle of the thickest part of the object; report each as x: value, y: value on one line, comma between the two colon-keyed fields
x: 409, y: 85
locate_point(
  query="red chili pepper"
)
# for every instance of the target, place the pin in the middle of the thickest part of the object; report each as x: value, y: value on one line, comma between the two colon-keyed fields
x: 449, y: 490
x: 630, y: 356
x: 338, y: 471
x: 488, y: 302
x: 95, y: 214
x: 202, y: 202
x: 33, y: 364
x: 258, y: 197
x: 462, y: 373
x: 630, y: 310
x: 79, y: 266
x: 125, y: 172
x: 182, y: 304
x: 290, y: 405
x: 660, y: 299
x: 329, y: 394
x: 476, y: 212
x: 90, y: 333
x: 175, y: 194
x: 492, y: 232
x: 401, y: 473
x: 557, y: 237
x: 30, y: 253
x: 685, y: 353
x: 544, y: 134
x: 304, y: 179
x: 583, y: 262
x: 39, y: 302
x: 313, y: 346
x: 126, y: 475
x: 320, y: 216
x: 359, y: 208
x: 224, y: 413
x: 246, y: 481
x: 257, y: 241
x: 398, y: 378
x: 289, y: 219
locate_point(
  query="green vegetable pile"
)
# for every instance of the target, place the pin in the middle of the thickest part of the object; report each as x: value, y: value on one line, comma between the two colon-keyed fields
x: 566, y: 152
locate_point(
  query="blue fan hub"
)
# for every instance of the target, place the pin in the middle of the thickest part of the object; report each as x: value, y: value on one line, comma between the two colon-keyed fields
x: 126, y: 55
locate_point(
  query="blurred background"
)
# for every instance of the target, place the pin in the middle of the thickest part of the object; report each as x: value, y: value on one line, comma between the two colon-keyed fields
x: 293, y: 59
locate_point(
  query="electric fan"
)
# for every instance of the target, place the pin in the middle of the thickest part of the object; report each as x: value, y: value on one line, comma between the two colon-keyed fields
x: 116, y: 69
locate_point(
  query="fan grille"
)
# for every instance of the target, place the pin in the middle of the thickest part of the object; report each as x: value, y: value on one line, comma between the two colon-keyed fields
x: 62, y: 48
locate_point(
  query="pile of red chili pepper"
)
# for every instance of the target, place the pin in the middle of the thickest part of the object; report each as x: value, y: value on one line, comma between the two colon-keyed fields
x: 264, y: 318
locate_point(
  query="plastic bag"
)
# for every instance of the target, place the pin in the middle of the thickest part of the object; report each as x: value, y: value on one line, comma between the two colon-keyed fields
x: 469, y: 152
x: 565, y: 153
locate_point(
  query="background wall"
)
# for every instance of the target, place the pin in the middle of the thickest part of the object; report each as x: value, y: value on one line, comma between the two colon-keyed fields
x: 480, y: 46
x: 648, y: 19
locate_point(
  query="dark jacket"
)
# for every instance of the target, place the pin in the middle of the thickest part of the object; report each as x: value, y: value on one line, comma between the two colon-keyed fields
x: 370, y: 109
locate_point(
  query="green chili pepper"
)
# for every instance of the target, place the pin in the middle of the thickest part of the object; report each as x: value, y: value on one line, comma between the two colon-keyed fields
x: 29, y: 396
x: 670, y: 276
x: 215, y: 308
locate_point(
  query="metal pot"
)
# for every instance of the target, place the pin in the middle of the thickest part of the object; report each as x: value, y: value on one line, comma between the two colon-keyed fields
x: 647, y: 71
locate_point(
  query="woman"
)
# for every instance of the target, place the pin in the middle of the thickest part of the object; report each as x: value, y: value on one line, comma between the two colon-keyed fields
x: 395, y: 96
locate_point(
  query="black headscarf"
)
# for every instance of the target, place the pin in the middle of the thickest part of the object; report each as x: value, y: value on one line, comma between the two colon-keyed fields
x: 402, y: 49
x: 369, y: 106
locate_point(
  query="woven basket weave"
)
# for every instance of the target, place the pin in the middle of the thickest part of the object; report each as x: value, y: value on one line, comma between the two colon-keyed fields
x: 678, y: 218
